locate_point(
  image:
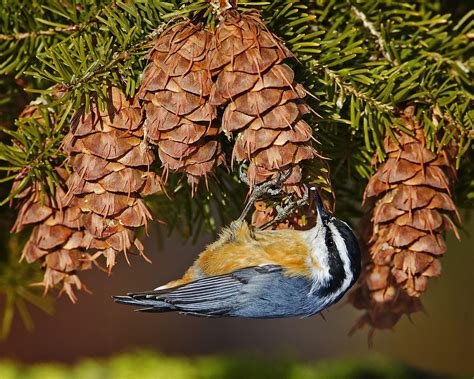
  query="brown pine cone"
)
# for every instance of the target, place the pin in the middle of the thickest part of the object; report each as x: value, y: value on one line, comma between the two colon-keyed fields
x: 263, y: 104
x: 175, y: 91
x: 56, y: 238
x: 111, y: 172
x: 412, y: 211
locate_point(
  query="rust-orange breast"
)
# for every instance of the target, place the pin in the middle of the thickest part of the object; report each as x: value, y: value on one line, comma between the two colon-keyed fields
x: 285, y: 248
x: 239, y: 247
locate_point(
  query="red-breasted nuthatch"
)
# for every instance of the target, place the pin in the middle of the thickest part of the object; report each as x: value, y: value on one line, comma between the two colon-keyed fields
x: 263, y: 273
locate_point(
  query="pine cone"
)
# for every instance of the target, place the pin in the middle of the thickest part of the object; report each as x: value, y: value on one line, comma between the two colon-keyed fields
x: 411, y: 213
x: 56, y: 238
x: 96, y: 208
x: 175, y: 89
x: 262, y: 102
x: 110, y: 161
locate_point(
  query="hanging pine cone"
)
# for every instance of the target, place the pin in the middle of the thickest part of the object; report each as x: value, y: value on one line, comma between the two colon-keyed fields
x: 111, y: 172
x: 56, y: 238
x: 263, y: 104
x: 175, y: 90
x: 411, y: 213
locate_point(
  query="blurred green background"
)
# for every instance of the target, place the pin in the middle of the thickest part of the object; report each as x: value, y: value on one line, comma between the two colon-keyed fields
x: 146, y: 365
x: 438, y: 342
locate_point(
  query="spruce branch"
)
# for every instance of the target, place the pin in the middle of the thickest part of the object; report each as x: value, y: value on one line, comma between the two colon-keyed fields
x: 116, y: 58
x: 47, y: 32
x: 316, y: 68
x: 379, y: 39
x: 33, y: 148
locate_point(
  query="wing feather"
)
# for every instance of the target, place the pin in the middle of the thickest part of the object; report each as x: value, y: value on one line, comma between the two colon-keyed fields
x: 204, y: 290
x: 216, y: 295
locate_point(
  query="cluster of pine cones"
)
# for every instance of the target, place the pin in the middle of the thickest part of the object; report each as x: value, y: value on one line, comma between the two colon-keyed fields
x: 233, y: 81
x: 97, y: 203
x: 199, y: 86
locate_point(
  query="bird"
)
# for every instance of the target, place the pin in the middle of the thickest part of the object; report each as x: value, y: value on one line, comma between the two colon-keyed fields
x: 263, y: 273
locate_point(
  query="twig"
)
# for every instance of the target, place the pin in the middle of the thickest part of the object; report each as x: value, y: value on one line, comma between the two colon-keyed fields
x: 52, y: 31
x: 378, y: 37
x: 48, y: 32
x: 349, y: 88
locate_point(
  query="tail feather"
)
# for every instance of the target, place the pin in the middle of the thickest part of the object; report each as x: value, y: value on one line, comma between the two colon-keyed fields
x: 148, y: 304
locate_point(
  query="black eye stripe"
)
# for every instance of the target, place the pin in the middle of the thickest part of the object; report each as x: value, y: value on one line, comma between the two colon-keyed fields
x: 329, y: 240
x: 352, y: 246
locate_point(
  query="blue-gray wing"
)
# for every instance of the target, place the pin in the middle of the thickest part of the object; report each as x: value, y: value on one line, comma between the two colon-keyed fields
x: 257, y: 292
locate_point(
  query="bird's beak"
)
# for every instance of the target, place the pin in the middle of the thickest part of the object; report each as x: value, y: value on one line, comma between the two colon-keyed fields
x: 323, y: 216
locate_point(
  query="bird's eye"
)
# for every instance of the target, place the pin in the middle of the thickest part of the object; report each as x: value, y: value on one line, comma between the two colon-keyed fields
x: 329, y: 241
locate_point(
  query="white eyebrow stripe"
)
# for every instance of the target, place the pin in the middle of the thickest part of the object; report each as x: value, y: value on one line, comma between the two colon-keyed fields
x: 317, y: 261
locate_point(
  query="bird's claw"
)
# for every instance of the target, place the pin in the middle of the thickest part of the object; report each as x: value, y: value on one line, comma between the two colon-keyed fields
x: 243, y: 176
x: 287, y: 210
x: 278, y: 179
x: 262, y: 189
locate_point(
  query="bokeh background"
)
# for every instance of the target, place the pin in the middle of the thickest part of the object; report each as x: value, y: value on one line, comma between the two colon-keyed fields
x: 440, y: 340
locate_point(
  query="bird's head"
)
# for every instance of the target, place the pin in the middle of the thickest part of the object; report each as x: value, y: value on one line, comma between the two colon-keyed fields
x: 335, y: 237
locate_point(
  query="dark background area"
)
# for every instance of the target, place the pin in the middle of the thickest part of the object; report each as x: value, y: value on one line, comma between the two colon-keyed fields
x: 440, y: 340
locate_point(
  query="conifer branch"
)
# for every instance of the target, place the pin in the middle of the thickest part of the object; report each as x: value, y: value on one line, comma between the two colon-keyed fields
x: 118, y: 56
x: 47, y: 32
x: 378, y: 37
x: 316, y: 67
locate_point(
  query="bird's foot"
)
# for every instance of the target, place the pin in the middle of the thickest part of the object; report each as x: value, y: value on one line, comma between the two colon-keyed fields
x: 287, y: 210
x: 269, y: 187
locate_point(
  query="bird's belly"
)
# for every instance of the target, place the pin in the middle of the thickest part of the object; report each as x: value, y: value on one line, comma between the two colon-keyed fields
x: 290, y: 253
